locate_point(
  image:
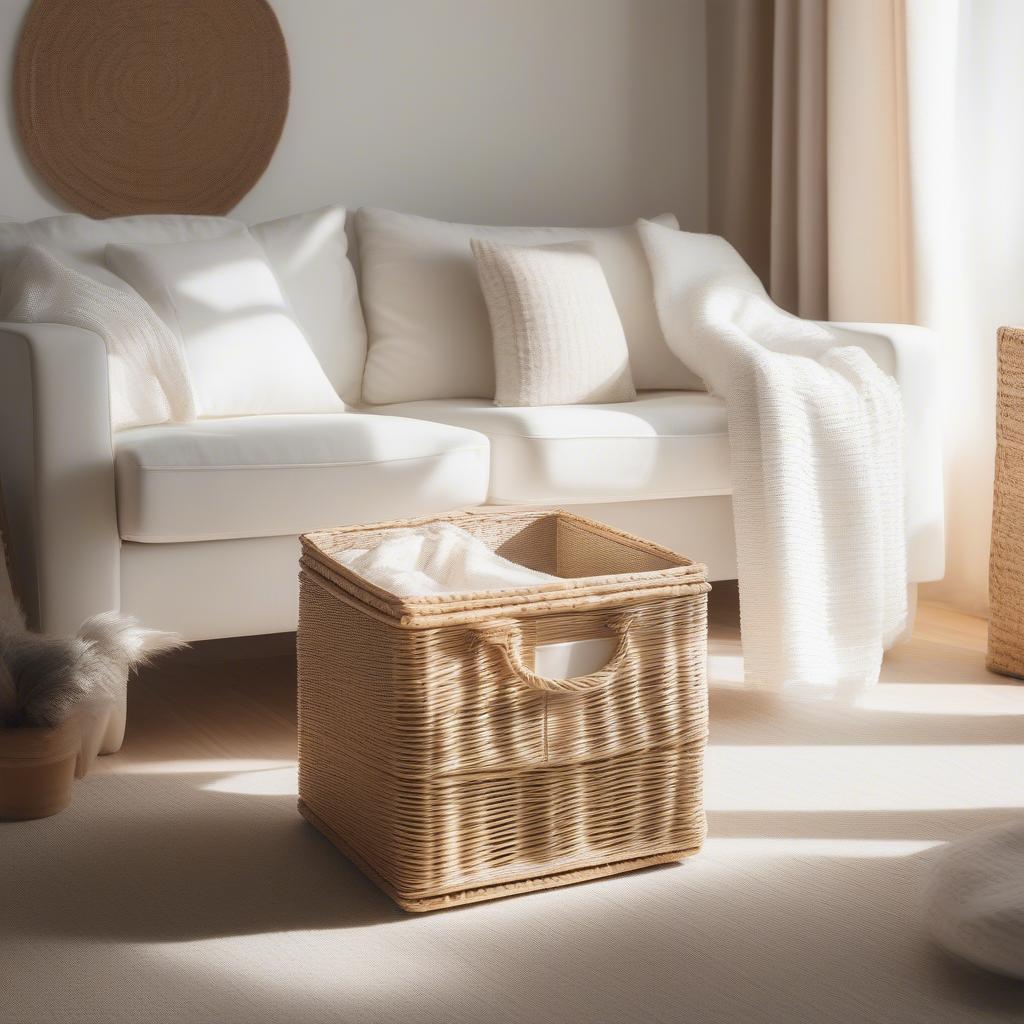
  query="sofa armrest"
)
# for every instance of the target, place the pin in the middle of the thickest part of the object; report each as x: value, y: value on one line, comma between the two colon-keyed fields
x: 57, y: 473
x: 912, y: 355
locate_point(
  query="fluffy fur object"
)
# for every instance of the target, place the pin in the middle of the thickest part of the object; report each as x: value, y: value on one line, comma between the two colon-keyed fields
x: 44, y: 678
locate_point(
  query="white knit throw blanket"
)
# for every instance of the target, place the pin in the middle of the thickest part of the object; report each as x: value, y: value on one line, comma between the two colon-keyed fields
x: 149, y: 378
x: 816, y: 437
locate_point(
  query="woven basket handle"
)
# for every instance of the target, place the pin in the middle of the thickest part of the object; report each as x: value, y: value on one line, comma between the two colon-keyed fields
x: 505, y: 635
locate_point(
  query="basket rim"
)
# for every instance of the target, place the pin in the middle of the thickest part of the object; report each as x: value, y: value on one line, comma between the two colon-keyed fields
x: 681, y: 578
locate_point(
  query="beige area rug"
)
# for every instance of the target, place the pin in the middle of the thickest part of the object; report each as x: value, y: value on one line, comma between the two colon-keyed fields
x: 194, y: 892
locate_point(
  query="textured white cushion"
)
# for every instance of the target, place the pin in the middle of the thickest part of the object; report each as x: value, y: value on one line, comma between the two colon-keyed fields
x: 428, y: 328
x: 666, y: 444
x: 976, y: 898
x: 262, y: 476
x: 308, y: 253
x: 246, y: 354
x: 557, y: 337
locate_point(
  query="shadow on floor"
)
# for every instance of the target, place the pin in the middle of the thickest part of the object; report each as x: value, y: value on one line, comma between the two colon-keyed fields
x: 156, y: 857
x: 971, y: 986
x: 727, y: 936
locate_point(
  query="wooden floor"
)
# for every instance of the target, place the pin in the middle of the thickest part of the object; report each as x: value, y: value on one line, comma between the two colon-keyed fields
x: 220, y: 700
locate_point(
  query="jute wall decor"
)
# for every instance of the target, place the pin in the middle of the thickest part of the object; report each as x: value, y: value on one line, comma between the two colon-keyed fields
x: 151, y: 106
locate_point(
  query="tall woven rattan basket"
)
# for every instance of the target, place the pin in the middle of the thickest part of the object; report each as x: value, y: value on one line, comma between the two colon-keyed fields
x: 435, y: 758
x: 1006, y: 559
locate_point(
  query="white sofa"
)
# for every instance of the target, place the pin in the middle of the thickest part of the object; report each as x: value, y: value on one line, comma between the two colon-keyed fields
x: 193, y: 527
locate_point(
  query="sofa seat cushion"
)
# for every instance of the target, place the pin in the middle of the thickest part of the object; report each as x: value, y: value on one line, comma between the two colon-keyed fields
x: 264, y: 476
x: 666, y: 444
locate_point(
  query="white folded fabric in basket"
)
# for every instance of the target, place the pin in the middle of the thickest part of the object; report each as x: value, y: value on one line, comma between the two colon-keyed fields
x: 439, y: 559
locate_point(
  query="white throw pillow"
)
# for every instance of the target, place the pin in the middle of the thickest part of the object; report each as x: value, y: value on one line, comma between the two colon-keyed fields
x: 429, y: 334
x: 308, y: 253
x: 245, y: 352
x: 558, y: 339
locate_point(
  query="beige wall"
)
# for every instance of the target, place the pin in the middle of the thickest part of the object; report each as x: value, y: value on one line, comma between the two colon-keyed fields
x: 531, y: 111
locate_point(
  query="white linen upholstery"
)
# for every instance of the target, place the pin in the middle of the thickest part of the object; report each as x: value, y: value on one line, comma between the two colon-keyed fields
x: 225, y: 588
x: 910, y: 354
x: 429, y: 335
x: 308, y: 253
x: 262, y: 476
x: 246, y: 354
x: 216, y: 588
x: 58, y: 473
x: 666, y: 444
x: 57, y: 464
x: 557, y: 336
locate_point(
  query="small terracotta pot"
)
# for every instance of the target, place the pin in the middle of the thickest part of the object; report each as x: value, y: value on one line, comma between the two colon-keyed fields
x: 37, y: 767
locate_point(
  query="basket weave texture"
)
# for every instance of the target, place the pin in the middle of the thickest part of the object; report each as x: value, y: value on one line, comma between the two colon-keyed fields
x: 434, y: 757
x: 1006, y: 560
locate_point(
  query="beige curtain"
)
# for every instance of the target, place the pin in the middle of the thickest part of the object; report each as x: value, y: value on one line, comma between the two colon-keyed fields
x: 767, y: 143
x: 807, y: 151
x: 912, y: 205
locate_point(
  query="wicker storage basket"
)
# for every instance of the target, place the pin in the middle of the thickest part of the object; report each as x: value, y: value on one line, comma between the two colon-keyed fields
x: 1006, y: 558
x: 442, y: 766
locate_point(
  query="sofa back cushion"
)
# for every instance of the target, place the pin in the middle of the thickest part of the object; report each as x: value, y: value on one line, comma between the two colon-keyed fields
x: 308, y: 254
x: 429, y: 333
x: 246, y: 354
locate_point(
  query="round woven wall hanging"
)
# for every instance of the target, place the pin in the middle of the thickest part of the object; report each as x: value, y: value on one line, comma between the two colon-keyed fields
x: 151, y: 106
